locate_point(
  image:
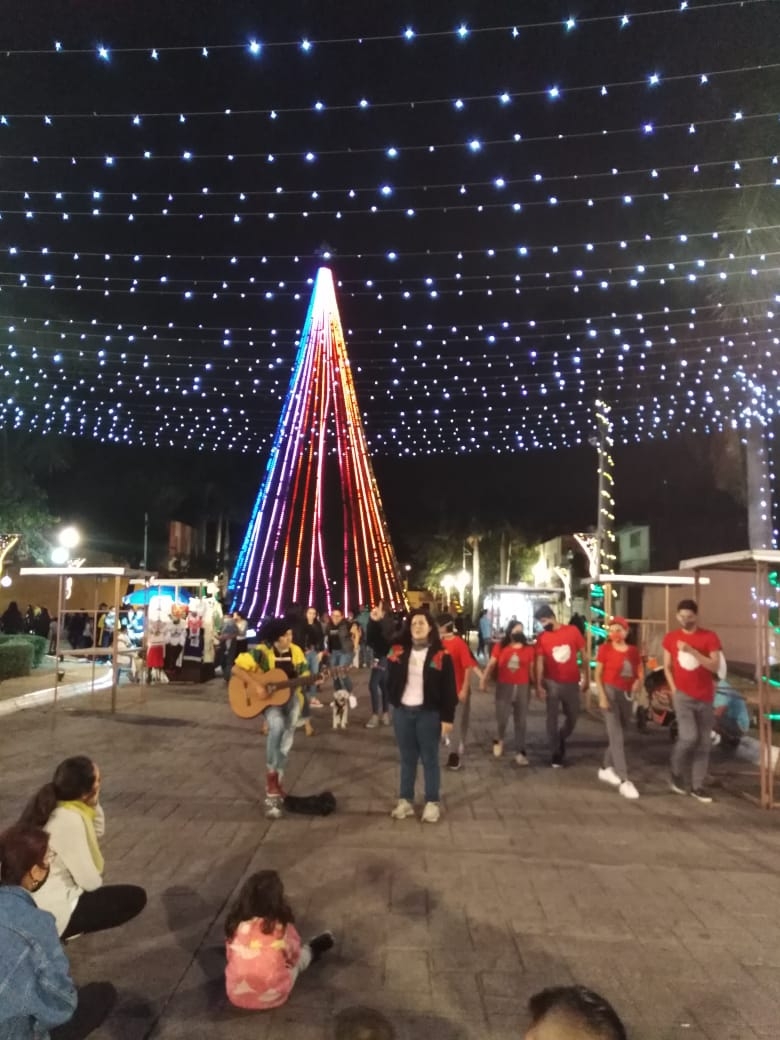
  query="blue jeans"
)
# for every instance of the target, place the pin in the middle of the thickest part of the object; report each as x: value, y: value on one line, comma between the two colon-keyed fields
x: 342, y: 659
x: 313, y: 662
x: 377, y: 686
x: 418, y: 734
x: 281, y: 731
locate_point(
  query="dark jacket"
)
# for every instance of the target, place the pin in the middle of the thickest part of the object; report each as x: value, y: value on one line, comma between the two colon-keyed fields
x: 439, y: 693
x: 381, y: 634
x: 339, y: 639
x: 313, y: 636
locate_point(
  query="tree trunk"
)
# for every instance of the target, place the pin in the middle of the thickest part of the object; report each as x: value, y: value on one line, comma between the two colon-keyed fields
x: 759, y: 488
x: 503, y: 557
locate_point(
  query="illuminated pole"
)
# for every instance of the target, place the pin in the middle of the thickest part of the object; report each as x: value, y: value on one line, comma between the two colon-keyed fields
x: 605, y: 520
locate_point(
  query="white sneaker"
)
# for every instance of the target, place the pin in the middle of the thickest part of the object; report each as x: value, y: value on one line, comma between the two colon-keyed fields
x: 373, y: 722
x: 521, y: 759
x: 498, y: 748
x: 609, y: 776
x: 628, y: 790
x: 402, y: 810
x: 431, y: 812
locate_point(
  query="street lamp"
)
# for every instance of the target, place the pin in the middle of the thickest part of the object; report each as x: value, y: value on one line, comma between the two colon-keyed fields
x: 68, y: 538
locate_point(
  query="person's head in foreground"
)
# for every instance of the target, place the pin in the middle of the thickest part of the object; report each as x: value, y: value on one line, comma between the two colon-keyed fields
x: 573, y: 1013
x: 362, y: 1023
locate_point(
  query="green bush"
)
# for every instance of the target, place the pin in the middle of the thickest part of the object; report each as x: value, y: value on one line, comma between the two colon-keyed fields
x: 16, y: 657
x: 39, y: 644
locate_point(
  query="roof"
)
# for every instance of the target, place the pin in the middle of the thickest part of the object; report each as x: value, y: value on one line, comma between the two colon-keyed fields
x: 669, y: 580
x: 82, y: 572
x: 735, y: 561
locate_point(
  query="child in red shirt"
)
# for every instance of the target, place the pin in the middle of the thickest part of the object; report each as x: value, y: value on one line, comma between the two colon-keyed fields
x: 618, y: 675
x: 512, y: 660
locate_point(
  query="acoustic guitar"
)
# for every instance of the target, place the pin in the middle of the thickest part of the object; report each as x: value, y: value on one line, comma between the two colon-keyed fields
x: 260, y: 690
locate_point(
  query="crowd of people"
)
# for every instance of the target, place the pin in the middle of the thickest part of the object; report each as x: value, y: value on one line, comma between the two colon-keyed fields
x: 52, y: 867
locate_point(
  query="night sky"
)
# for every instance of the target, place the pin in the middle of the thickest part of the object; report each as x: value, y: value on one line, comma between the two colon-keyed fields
x: 547, y: 206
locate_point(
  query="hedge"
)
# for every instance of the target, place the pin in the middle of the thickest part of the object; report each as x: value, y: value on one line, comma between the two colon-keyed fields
x: 16, y: 658
x: 40, y: 645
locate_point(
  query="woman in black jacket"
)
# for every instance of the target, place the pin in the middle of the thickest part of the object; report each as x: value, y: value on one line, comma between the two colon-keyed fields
x: 421, y: 688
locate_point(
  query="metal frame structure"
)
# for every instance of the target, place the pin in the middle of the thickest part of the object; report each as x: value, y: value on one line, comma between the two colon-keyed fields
x: 122, y: 576
x: 760, y: 562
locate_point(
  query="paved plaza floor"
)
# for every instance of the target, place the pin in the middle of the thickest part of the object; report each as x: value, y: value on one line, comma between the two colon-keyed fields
x: 532, y: 878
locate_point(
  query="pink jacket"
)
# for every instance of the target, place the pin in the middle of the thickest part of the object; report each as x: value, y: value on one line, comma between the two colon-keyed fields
x: 259, y: 966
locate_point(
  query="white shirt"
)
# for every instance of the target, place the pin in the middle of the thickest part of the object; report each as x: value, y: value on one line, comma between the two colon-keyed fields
x: 412, y: 696
x: 73, y: 870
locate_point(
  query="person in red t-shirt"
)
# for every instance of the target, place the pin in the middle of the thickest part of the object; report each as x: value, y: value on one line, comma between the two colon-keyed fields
x: 559, y: 678
x: 464, y: 664
x: 618, y: 675
x: 692, y: 658
x: 512, y: 661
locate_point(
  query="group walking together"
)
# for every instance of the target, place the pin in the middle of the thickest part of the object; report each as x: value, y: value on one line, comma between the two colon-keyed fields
x: 52, y: 868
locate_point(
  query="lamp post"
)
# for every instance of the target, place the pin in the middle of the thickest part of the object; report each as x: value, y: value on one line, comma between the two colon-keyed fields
x: 7, y: 542
x: 68, y: 538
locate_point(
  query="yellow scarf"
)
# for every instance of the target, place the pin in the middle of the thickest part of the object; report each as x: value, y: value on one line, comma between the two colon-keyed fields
x: 87, y: 813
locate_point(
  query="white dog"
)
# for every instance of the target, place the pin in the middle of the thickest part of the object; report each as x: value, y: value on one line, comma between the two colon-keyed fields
x: 340, y: 708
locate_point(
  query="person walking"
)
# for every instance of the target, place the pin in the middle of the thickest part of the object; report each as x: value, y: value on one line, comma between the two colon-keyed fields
x: 512, y: 662
x: 314, y: 647
x: 692, y: 658
x: 465, y: 666
x: 421, y: 688
x: 381, y: 631
x: 559, y: 678
x: 618, y: 677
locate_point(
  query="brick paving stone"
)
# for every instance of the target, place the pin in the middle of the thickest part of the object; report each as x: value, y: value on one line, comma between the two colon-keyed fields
x: 532, y: 878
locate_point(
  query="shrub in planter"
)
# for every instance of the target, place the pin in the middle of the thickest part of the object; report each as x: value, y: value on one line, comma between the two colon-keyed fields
x: 16, y: 657
x: 39, y: 644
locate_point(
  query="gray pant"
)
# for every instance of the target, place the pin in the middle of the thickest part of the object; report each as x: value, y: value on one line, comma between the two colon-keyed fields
x: 617, y: 719
x: 566, y: 697
x: 512, y: 699
x: 694, y: 740
x: 460, y: 729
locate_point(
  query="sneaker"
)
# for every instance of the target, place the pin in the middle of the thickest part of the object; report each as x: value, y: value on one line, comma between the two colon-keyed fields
x: 498, y: 748
x: 609, y: 776
x: 273, y: 808
x: 431, y: 812
x: 628, y: 790
x: 453, y: 762
x: 386, y: 719
x: 315, y: 702
x: 521, y: 759
x: 677, y: 784
x: 701, y: 795
x: 321, y: 944
x: 403, y: 809
x: 557, y: 760
x: 373, y: 722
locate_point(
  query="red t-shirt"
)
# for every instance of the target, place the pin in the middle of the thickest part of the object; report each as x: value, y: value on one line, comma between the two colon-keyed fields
x: 689, y: 676
x: 621, y: 667
x: 559, y: 650
x: 514, y: 663
x: 462, y: 658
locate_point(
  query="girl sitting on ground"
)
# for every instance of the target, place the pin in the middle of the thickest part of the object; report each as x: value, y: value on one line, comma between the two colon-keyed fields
x: 69, y: 810
x: 265, y: 954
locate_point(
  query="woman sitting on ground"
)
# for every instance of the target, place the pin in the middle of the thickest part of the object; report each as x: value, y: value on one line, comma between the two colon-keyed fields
x: 69, y: 809
x: 36, y: 989
x: 265, y: 954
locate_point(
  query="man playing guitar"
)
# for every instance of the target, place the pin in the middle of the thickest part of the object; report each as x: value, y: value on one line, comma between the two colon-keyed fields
x: 276, y: 651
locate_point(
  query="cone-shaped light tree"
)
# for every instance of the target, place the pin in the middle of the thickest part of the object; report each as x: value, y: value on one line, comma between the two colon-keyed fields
x: 317, y: 534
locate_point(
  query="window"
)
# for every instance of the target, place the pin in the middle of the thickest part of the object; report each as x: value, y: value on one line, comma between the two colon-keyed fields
x: 635, y: 539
